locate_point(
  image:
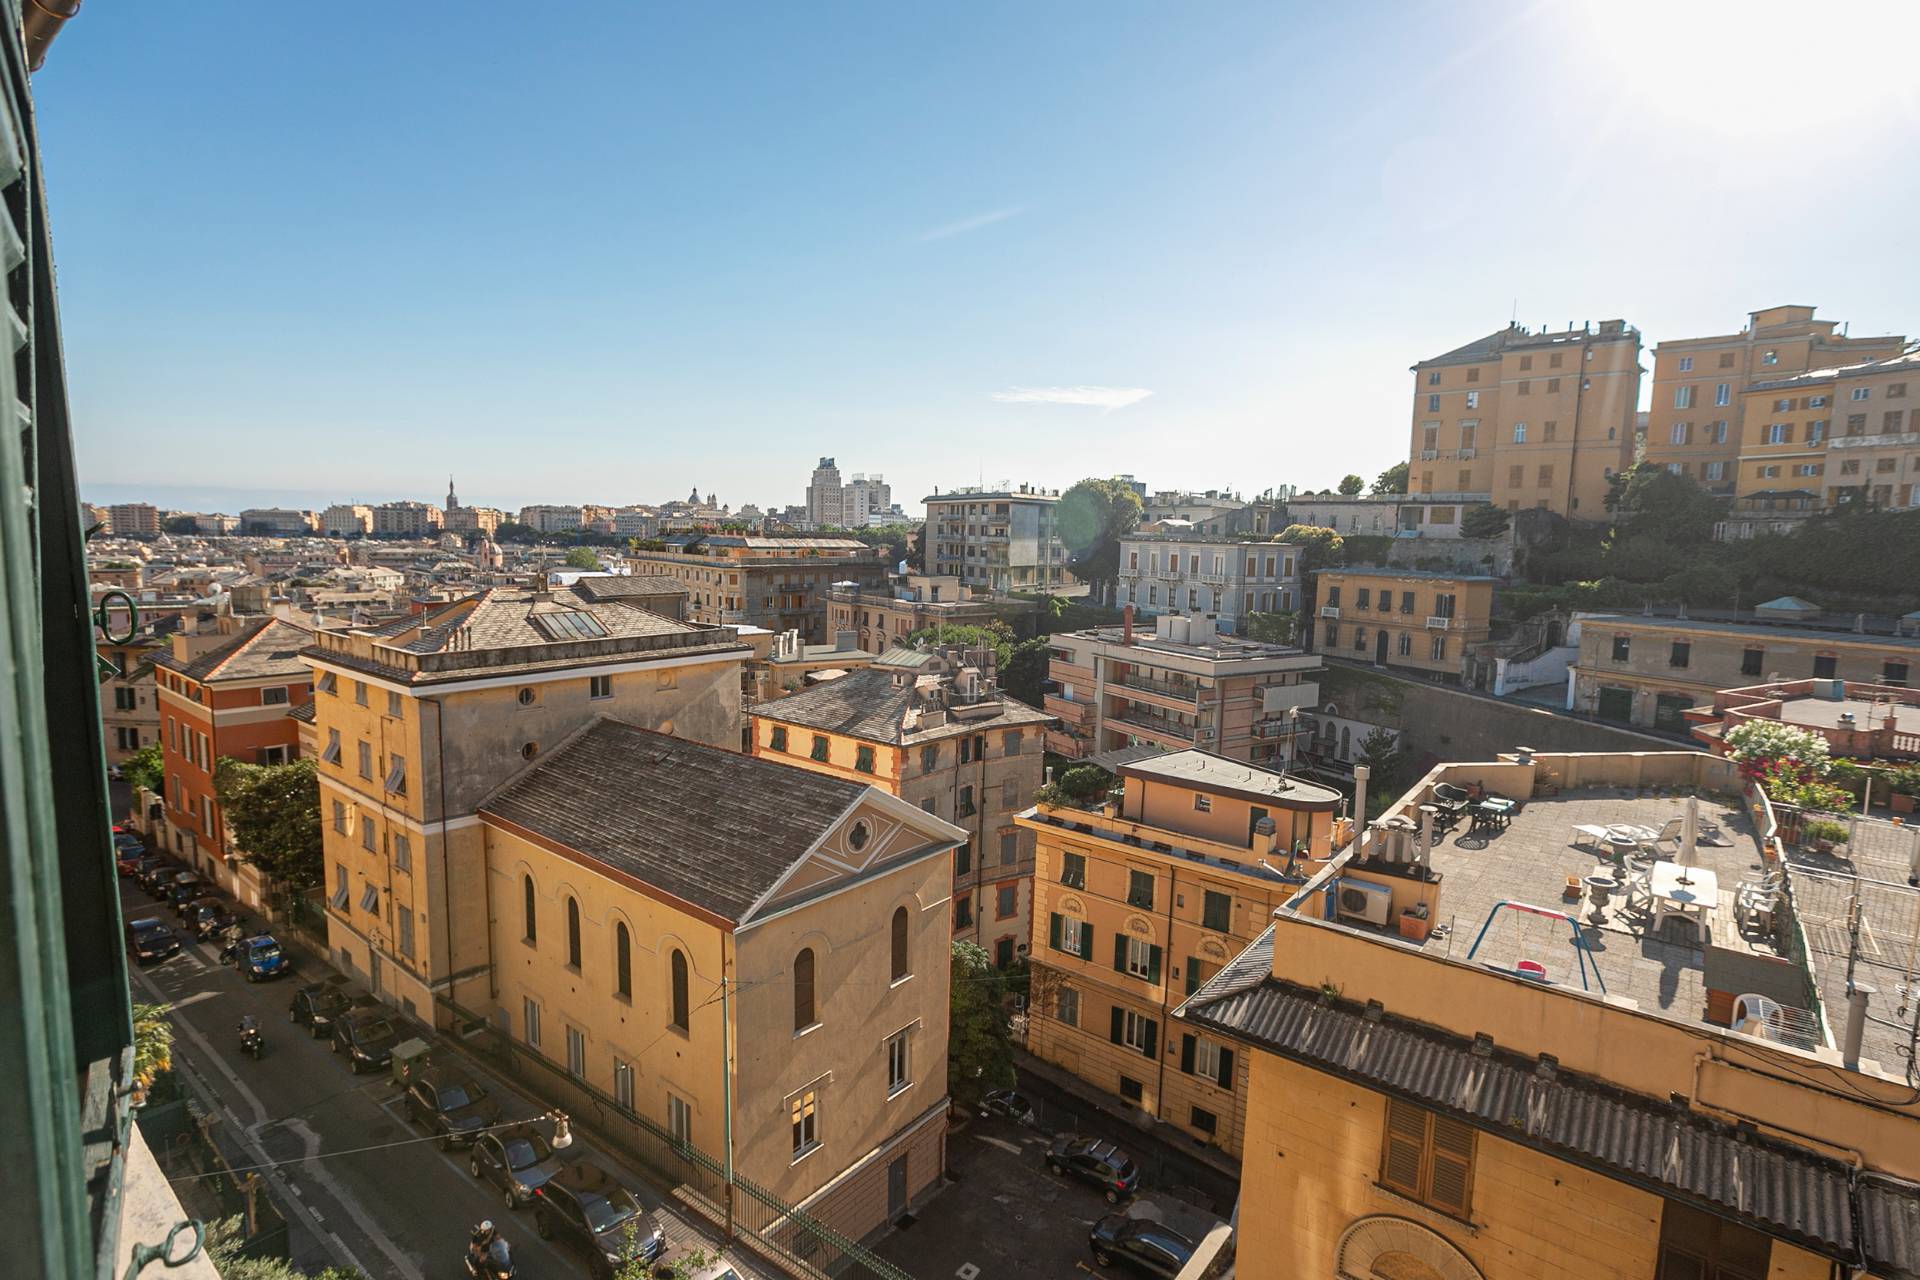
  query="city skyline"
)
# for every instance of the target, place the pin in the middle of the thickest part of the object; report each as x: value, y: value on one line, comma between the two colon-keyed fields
x: 1043, y: 247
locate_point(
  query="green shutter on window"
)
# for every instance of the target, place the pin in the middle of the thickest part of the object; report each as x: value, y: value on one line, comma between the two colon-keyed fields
x: 1152, y: 1030
x: 1120, y: 952
x: 1186, y: 1054
x: 1053, y: 931
x: 1119, y: 1032
x: 1153, y: 964
x: 1086, y: 941
x: 1226, y: 1068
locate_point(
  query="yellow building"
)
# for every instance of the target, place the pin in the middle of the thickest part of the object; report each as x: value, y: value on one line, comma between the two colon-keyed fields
x: 1523, y: 419
x: 674, y: 925
x: 1140, y: 902
x: 1694, y: 422
x: 780, y: 584
x: 1554, y: 1090
x: 930, y: 726
x: 1432, y: 623
x: 416, y: 721
x: 1833, y: 437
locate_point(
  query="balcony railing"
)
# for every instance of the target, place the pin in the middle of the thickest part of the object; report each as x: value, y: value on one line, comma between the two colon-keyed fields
x: 1166, y: 728
x: 1282, y: 728
x: 1329, y: 610
x: 1435, y: 623
x: 1182, y: 693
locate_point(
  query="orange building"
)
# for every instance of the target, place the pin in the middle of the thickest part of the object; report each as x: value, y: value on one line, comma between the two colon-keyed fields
x: 1832, y: 437
x: 225, y: 693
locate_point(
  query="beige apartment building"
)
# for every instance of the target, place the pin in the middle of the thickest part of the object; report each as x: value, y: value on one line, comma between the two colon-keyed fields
x: 343, y: 519
x: 416, y: 722
x: 1140, y: 902
x: 1431, y: 624
x: 285, y: 521
x: 1182, y: 685
x: 930, y: 726
x: 485, y: 520
x: 1525, y: 419
x: 1649, y: 671
x: 130, y: 699
x: 1176, y: 573
x: 1834, y: 437
x: 780, y: 584
x: 886, y: 614
x: 727, y: 945
x: 1695, y: 423
x: 125, y: 518
x: 997, y: 541
x: 407, y: 519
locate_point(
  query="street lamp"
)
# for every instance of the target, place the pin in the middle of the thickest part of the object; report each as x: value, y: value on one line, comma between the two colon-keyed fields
x: 562, y: 1129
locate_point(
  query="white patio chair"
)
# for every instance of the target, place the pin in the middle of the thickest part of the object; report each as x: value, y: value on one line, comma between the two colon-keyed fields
x: 1588, y: 834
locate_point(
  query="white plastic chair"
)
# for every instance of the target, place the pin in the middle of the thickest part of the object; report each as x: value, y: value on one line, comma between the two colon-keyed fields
x: 1757, y: 1015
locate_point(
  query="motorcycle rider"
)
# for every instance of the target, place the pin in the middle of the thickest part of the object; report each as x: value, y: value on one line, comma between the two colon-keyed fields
x: 249, y: 1032
x: 487, y: 1255
x: 230, y: 938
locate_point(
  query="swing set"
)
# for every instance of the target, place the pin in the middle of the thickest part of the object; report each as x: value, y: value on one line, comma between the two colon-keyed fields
x: 1530, y: 968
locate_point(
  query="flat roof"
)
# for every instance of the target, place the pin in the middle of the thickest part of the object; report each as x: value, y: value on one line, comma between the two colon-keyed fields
x: 1205, y: 771
x: 1757, y: 627
x: 1370, y: 571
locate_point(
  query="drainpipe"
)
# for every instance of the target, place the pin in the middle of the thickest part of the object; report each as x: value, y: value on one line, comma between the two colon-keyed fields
x: 1166, y: 997
x: 1858, y: 994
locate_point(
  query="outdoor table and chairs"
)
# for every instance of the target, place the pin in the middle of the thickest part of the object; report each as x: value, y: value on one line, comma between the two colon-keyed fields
x: 1494, y: 812
x: 1690, y: 892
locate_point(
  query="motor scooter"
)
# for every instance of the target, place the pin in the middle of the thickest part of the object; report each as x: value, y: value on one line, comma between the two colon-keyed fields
x: 251, y: 1042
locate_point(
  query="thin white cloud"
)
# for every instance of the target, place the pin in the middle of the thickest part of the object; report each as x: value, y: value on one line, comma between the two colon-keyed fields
x: 965, y: 225
x: 1108, y: 398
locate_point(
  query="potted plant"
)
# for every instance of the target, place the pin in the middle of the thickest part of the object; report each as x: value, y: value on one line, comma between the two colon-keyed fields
x: 1822, y: 834
x: 1904, y: 785
x: 1413, y: 922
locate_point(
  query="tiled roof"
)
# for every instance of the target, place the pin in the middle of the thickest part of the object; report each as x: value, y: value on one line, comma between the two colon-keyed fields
x: 501, y: 618
x: 1783, y: 1190
x: 304, y: 713
x: 712, y: 827
x: 869, y: 704
x: 616, y: 586
x: 262, y: 650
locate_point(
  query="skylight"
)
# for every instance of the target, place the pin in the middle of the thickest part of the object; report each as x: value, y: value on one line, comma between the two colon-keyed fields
x: 569, y: 624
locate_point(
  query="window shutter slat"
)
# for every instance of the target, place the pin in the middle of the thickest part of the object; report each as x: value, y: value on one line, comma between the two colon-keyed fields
x: 1450, y: 1177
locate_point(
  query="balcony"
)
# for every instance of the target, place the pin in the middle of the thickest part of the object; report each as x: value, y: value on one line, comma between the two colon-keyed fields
x: 1892, y: 440
x: 1288, y: 697
x: 1182, y: 693
x: 1329, y: 610
x: 1428, y: 455
x: 1439, y: 624
x: 1284, y: 727
x: 1172, y: 730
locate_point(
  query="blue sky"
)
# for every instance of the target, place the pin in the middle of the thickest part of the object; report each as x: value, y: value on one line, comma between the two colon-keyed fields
x: 610, y: 252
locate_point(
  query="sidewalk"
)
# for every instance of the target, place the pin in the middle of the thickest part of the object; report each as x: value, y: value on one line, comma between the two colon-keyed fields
x: 1171, y: 1160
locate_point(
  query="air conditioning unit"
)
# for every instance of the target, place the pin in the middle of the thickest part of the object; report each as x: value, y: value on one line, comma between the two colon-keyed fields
x: 1363, y: 900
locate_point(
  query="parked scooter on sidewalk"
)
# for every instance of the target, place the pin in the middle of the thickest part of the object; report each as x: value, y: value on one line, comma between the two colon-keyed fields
x: 488, y: 1257
x: 230, y: 941
x: 250, y: 1041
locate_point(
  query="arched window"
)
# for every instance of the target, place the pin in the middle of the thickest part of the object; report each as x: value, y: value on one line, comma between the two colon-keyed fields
x: 899, y: 943
x: 526, y: 893
x: 573, y: 933
x: 803, y: 989
x: 680, y: 1018
x: 622, y: 961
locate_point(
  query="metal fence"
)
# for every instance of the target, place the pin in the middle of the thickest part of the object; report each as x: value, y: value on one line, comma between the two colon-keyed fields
x: 808, y: 1247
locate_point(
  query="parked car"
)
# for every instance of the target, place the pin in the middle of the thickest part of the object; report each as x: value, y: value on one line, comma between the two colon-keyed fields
x: 155, y: 878
x: 1006, y: 1102
x: 317, y: 1005
x: 584, y: 1206
x: 125, y: 841
x: 366, y: 1038
x: 517, y: 1161
x: 260, y: 957
x: 1097, y: 1162
x: 1140, y: 1245
x: 451, y: 1104
x: 207, y: 917
x: 184, y: 890
x: 129, y: 861
x: 150, y: 941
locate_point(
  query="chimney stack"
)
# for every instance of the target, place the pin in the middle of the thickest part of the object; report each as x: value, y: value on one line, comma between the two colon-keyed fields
x: 1126, y: 625
x: 1857, y: 996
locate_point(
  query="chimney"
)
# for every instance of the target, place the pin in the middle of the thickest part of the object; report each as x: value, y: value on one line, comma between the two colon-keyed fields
x: 1857, y: 996
x: 1126, y: 625
x: 1360, y: 775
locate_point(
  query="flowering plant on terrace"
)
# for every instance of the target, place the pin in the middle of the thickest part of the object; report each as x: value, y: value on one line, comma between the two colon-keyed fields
x: 1768, y: 746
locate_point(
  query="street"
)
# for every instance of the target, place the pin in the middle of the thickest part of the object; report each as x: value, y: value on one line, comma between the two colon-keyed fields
x: 380, y: 1196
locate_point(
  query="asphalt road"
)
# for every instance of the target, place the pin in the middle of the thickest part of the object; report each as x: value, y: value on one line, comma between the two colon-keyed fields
x: 400, y: 1209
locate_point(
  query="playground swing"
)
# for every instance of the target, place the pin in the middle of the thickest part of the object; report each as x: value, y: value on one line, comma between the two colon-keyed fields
x: 1528, y: 942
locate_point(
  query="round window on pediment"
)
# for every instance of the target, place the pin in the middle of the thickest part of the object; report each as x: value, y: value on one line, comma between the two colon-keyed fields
x: 526, y: 697
x: 860, y: 834
x: 528, y: 750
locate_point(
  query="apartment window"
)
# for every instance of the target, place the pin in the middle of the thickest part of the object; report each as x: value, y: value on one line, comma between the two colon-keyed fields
x: 1433, y: 404
x: 1198, y: 971
x: 1130, y: 1089
x: 1890, y: 421
x: 1362, y: 597
x: 1010, y: 743
x: 1553, y: 360
x: 1075, y: 937
x: 1686, y: 364
x: 1066, y: 1006
x: 1073, y: 870
x: 1202, y: 1057
x: 1695, y: 1245
x: 600, y: 687
x: 1779, y: 433
x: 1823, y: 666
x: 338, y: 901
x: 1770, y: 357
x: 1526, y: 363
x: 1816, y: 430
x: 1216, y: 911
x: 1433, y: 377
x: 1473, y: 397
x: 1136, y: 957
x: 1681, y: 654
x: 1438, y: 649
x: 1683, y: 397
x: 1546, y: 474
x: 680, y: 1120
x: 966, y: 808
x: 1333, y: 596
x: 1553, y: 386
x: 623, y: 1084
x: 1723, y: 393
x: 963, y: 911
x: 963, y: 859
x: 1860, y: 393
x: 366, y: 759
x: 1525, y: 387
x: 966, y: 751
x: 863, y: 759
x: 1203, y: 1120
x: 530, y: 1021
x: 1896, y: 391
x: 1428, y: 1158
x: 404, y: 919
x: 678, y: 977
x: 1333, y: 636
x: 1894, y: 673
x: 402, y: 852
x: 1006, y: 901
x: 1009, y: 846
x: 1406, y: 644
x: 1519, y: 433
x: 340, y: 817
x: 573, y: 934
x: 576, y: 1053
x: 1678, y: 433
x: 777, y: 738
x: 803, y: 990
x: 819, y: 746
x: 805, y: 1109
x: 369, y: 838
x: 1726, y: 359
x: 360, y: 692
x: 1473, y: 375
x: 1193, y: 598
x: 1856, y: 424
x: 1134, y: 1030
x: 899, y: 1062
x: 329, y: 682
x: 1850, y: 467
x: 331, y: 755
x: 530, y: 930
x: 396, y: 780
x: 622, y: 961
x: 1359, y: 641
x: 1140, y: 889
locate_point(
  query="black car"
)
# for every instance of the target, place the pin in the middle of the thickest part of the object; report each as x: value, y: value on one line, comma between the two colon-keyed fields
x: 207, y: 917
x: 1006, y: 1102
x: 186, y: 889
x: 1140, y: 1245
x: 156, y: 877
x: 1097, y: 1162
x: 583, y: 1205
x: 366, y: 1038
x: 518, y: 1161
x: 317, y: 1005
x: 149, y: 941
x: 450, y: 1104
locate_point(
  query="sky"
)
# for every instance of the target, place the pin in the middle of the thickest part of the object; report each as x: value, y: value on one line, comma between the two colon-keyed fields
x: 612, y: 252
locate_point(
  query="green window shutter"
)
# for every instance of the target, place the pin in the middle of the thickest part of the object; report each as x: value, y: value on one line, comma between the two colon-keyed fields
x: 1053, y: 931
x: 1226, y: 1068
x: 1193, y: 975
x: 1086, y: 942
x: 1119, y: 1033
x: 1153, y: 964
x: 1120, y: 952
x: 1186, y: 1054
x: 1153, y: 1029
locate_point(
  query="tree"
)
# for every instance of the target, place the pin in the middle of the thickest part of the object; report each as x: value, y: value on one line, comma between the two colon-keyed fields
x: 1319, y: 547
x: 179, y: 524
x: 273, y: 811
x: 1381, y: 752
x: 1270, y: 628
x: 996, y: 635
x: 226, y: 1238
x: 1351, y: 485
x: 514, y: 531
x: 979, y: 1035
x: 1484, y: 520
x: 1392, y: 480
x: 582, y: 558
x: 1025, y: 672
x: 144, y: 769
x: 1092, y: 517
x: 152, y: 1043
x: 1649, y: 500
